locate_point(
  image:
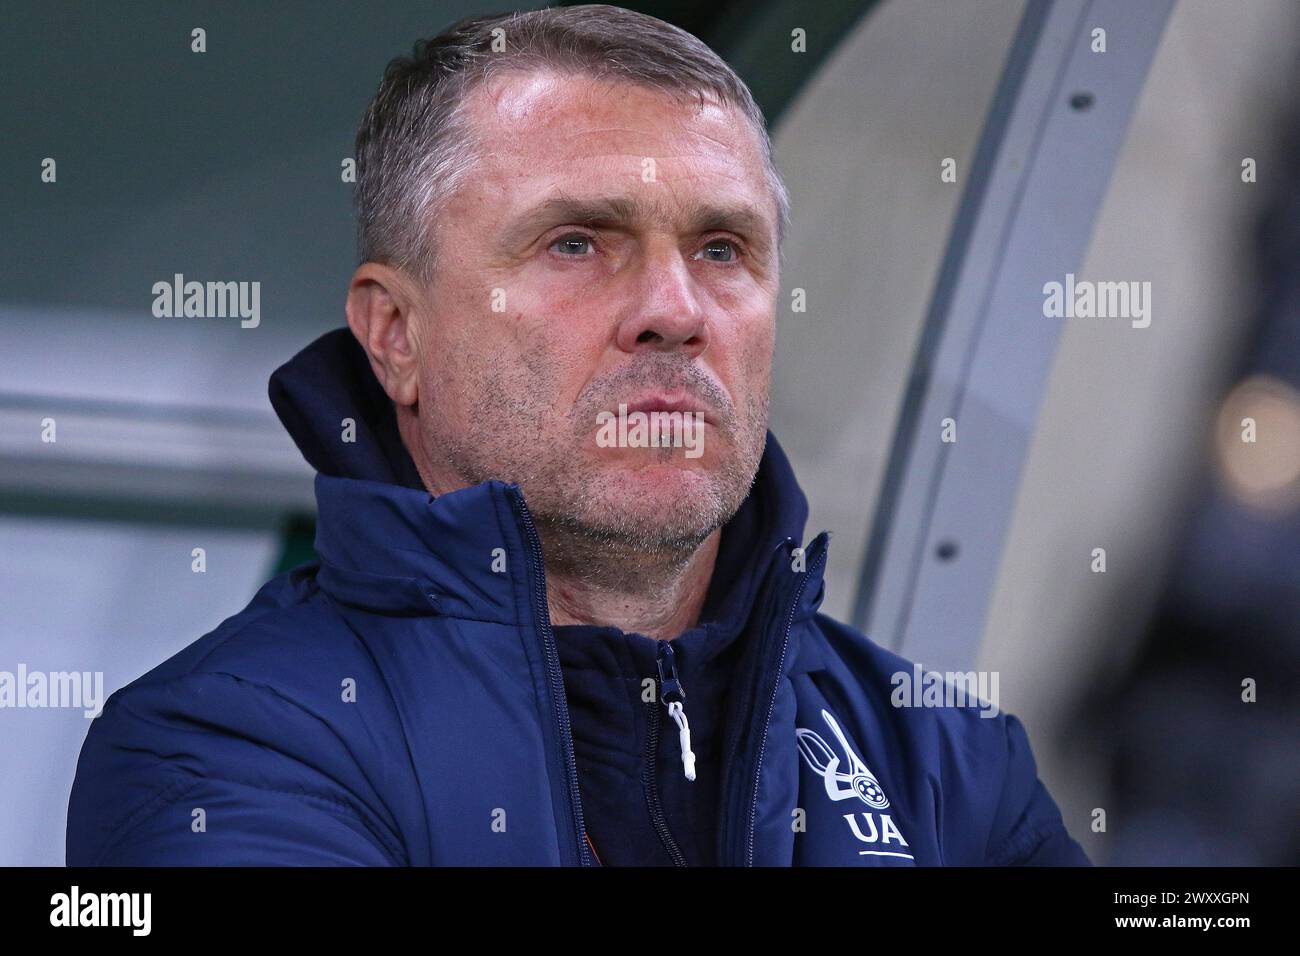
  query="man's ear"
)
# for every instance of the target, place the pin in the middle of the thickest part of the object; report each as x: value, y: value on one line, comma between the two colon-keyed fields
x: 381, y: 313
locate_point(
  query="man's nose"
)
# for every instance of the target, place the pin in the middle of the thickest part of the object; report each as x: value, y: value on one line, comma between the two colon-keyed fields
x: 669, y: 315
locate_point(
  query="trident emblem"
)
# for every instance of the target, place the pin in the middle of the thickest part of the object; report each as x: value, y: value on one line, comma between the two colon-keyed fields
x: 855, y: 781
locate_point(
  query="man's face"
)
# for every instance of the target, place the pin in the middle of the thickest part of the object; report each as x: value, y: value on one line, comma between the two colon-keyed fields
x: 612, y: 246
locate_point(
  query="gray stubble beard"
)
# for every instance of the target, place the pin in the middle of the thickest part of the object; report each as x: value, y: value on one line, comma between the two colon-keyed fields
x: 586, y: 537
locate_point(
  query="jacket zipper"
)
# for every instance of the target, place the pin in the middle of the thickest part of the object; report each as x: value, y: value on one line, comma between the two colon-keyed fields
x: 673, y: 695
x: 554, y: 673
x: 751, y: 818
x: 652, y: 790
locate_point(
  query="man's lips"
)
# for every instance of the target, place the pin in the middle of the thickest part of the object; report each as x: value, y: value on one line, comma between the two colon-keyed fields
x: 667, y: 402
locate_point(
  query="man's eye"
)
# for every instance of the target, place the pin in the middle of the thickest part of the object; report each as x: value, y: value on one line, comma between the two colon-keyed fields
x: 724, y: 245
x: 575, y: 244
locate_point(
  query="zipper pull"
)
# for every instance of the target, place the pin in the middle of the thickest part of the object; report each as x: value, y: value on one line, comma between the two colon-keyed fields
x: 672, y: 693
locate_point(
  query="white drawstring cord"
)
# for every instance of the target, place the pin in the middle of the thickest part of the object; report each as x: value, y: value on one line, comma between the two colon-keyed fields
x: 678, y: 713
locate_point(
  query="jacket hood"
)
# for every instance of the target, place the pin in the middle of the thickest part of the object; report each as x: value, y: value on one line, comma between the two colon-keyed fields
x: 386, y: 543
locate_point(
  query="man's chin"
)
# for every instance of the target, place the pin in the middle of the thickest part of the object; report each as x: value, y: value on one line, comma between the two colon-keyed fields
x: 658, y: 501
x: 663, y: 478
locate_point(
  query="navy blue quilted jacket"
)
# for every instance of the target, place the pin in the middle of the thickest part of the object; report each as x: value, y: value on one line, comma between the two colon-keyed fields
x: 401, y: 701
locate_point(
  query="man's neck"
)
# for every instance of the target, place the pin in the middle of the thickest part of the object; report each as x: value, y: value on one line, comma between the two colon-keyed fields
x: 659, y: 595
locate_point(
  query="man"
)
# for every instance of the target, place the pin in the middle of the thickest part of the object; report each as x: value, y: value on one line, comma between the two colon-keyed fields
x: 533, y: 637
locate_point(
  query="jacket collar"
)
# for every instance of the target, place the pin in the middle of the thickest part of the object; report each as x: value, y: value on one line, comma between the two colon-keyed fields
x: 387, y: 545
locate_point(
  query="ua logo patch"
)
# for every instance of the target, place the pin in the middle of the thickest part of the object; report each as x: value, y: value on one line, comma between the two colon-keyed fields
x: 855, y: 781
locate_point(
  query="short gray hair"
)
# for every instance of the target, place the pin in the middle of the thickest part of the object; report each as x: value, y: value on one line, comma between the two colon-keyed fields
x: 414, y: 148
